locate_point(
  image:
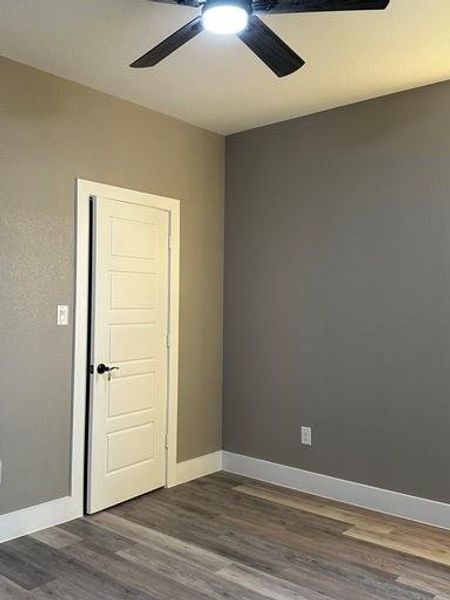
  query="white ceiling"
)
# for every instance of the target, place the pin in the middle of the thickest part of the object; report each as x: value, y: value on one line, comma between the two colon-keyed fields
x: 216, y: 82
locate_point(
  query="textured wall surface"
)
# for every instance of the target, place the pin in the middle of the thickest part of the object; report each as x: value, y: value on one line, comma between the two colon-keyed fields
x: 337, y: 292
x: 52, y: 131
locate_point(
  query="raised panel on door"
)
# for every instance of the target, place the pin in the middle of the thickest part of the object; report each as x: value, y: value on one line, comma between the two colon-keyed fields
x: 130, y: 323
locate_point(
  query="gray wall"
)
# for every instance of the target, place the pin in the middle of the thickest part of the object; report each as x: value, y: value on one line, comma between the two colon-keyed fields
x: 337, y: 292
x: 52, y: 131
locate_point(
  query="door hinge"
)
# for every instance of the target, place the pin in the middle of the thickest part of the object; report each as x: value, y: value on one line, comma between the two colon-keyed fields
x: 170, y: 242
x: 168, y: 340
x: 166, y: 442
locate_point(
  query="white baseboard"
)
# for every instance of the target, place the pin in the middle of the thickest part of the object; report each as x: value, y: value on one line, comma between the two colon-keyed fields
x: 414, y: 508
x: 32, y: 519
x: 199, y: 467
x: 431, y: 512
x: 49, y: 514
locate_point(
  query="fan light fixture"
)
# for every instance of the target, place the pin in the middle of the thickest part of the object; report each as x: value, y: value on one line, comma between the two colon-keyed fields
x: 224, y: 18
x: 241, y: 17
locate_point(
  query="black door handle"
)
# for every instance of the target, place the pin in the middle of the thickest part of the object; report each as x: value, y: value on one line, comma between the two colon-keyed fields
x: 102, y: 368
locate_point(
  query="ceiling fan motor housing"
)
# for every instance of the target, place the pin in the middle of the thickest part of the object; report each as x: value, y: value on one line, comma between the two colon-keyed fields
x: 245, y: 4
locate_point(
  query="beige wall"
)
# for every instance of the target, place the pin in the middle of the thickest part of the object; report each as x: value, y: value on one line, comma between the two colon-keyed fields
x: 52, y: 131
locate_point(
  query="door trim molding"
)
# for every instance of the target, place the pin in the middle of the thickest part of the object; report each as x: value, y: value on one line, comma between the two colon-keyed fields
x: 84, y: 190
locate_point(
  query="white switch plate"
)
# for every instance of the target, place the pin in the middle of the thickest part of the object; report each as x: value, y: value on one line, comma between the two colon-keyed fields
x: 62, y: 317
x: 306, y: 436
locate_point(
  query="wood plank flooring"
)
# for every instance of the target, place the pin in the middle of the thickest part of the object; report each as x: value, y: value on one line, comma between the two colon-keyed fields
x: 229, y: 537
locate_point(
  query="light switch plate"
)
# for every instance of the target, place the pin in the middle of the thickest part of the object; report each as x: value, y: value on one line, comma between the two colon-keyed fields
x: 62, y: 317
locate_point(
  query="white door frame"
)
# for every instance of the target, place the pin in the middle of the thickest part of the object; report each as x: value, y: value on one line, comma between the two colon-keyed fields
x: 84, y: 190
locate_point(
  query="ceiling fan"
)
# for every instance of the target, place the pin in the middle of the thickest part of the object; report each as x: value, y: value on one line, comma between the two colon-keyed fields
x: 240, y: 17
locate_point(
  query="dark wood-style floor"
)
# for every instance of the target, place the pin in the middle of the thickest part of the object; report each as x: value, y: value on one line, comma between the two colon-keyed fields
x: 225, y: 536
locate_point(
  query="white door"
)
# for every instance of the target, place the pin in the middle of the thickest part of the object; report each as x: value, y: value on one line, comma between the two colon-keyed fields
x: 128, y: 405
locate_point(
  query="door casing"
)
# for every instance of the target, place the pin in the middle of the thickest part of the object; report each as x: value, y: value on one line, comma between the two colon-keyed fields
x: 84, y: 191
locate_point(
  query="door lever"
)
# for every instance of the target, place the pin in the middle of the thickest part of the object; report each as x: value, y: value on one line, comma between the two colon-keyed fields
x: 102, y: 368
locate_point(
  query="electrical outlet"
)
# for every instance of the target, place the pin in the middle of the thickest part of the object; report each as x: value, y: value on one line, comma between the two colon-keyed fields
x: 306, y: 436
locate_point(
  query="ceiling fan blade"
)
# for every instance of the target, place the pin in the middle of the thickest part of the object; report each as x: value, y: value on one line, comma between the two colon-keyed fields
x: 170, y: 44
x: 270, y: 48
x: 295, y: 6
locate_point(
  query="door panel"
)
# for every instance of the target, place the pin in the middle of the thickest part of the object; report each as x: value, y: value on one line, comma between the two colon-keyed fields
x: 132, y: 290
x: 130, y: 394
x: 134, y: 341
x: 132, y: 239
x: 130, y: 322
x: 131, y: 446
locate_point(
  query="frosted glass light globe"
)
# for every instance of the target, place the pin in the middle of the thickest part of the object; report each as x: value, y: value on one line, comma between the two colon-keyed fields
x: 225, y: 18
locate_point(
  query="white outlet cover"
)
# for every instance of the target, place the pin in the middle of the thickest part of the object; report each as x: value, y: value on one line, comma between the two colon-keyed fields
x: 306, y: 436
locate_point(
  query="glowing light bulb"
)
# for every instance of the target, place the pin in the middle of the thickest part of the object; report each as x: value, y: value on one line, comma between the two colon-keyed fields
x: 225, y: 18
